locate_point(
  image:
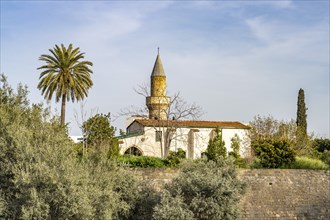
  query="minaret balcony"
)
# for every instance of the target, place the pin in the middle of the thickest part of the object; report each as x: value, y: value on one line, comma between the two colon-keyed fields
x: 158, y: 100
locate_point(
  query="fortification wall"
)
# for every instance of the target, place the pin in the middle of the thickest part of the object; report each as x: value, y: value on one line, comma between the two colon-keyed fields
x: 271, y: 193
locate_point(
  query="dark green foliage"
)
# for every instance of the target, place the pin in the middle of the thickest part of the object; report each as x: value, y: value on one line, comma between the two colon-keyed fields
x: 174, y: 158
x: 216, y: 147
x: 325, y: 157
x: 302, y: 145
x: 97, y: 129
x: 273, y: 153
x: 100, y: 135
x: 208, y: 189
x: 321, y: 144
x: 301, y: 113
x: 141, y: 161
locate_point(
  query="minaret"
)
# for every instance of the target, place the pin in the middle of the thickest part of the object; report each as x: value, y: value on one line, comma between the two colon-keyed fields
x: 158, y: 103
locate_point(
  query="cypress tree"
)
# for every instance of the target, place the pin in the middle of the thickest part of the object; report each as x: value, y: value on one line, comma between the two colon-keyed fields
x: 216, y: 147
x: 301, y: 114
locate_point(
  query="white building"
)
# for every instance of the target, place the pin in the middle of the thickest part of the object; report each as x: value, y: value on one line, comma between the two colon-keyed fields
x: 158, y: 134
x: 77, y: 139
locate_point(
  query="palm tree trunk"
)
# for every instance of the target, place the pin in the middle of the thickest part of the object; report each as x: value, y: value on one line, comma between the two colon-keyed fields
x: 63, y: 110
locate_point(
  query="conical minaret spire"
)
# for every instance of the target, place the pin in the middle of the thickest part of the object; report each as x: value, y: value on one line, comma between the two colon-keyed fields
x: 158, y: 69
x: 158, y: 102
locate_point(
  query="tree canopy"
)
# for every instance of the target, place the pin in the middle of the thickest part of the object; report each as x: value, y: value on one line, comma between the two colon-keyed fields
x: 65, y: 76
x: 99, y: 134
x: 203, y: 190
x: 301, y: 113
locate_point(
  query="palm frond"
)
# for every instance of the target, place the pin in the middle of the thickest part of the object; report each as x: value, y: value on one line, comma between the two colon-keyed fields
x: 65, y: 74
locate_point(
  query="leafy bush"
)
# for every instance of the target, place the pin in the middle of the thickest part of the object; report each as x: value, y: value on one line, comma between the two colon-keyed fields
x: 141, y: 161
x: 307, y: 163
x: 100, y: 135
x: 216, y: 147
x: 145, y: 202
x: 174, y: 158
x: 273, y: 153
x: 172, y: 208
x: 325, y: 157
x: 208, y: 189
x: 323, y: 148
x: 321, y: 144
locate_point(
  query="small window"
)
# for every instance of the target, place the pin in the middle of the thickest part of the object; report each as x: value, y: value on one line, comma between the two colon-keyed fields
x: 203, y: 155
x: 159, y: 135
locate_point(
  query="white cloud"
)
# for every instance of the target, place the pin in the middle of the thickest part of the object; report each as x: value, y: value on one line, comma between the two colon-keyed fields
x: 281, y: 4
x: 240, y: 66
x: 260, y: 29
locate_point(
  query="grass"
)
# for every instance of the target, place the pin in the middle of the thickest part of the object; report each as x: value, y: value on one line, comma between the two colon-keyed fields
x: 141, y: 161
x: 307, y: 163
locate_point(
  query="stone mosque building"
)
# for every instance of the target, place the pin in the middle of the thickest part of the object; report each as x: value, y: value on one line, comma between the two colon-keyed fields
x: 158, y: 134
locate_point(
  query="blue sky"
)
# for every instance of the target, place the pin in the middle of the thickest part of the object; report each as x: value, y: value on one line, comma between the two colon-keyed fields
x: 236, y: 59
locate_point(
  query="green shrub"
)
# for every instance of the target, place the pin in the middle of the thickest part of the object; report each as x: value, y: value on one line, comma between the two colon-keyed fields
x: 241, y: 162
x: 256, y: 164
x: 201, y: 188
x: 216, y: 147
x: 273, y: 153
x: 307, y: 163
x: 323, y: 148
x: 325, y: 157
x: 174, y: 158
x: 145, y: 202
x: 172, y: 208
x: 141, y: 161
x: 321, y: 144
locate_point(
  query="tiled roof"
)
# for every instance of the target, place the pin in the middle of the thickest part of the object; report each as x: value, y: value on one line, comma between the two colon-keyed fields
x: 192, y: 124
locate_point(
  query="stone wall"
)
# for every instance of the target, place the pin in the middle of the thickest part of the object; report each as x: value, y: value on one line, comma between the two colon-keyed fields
x: 271, y: 193
x: 286, y: 194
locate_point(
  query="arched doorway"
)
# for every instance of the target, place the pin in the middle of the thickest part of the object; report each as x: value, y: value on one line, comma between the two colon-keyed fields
x: 133, y: 151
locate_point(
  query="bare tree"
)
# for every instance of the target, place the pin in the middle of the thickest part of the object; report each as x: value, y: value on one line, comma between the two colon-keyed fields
x: 269, y: 127
x: 178, y: 109
x: 83, y: 118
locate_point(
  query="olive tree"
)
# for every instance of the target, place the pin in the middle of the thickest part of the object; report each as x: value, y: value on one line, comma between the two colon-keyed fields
x: 203, y: 190
x: 41, y: 177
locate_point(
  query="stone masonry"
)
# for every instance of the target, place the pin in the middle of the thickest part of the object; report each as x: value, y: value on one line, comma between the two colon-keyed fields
x: 271, y: 193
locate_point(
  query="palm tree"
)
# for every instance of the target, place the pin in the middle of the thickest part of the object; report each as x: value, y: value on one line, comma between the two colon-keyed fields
x: 65, y: 75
